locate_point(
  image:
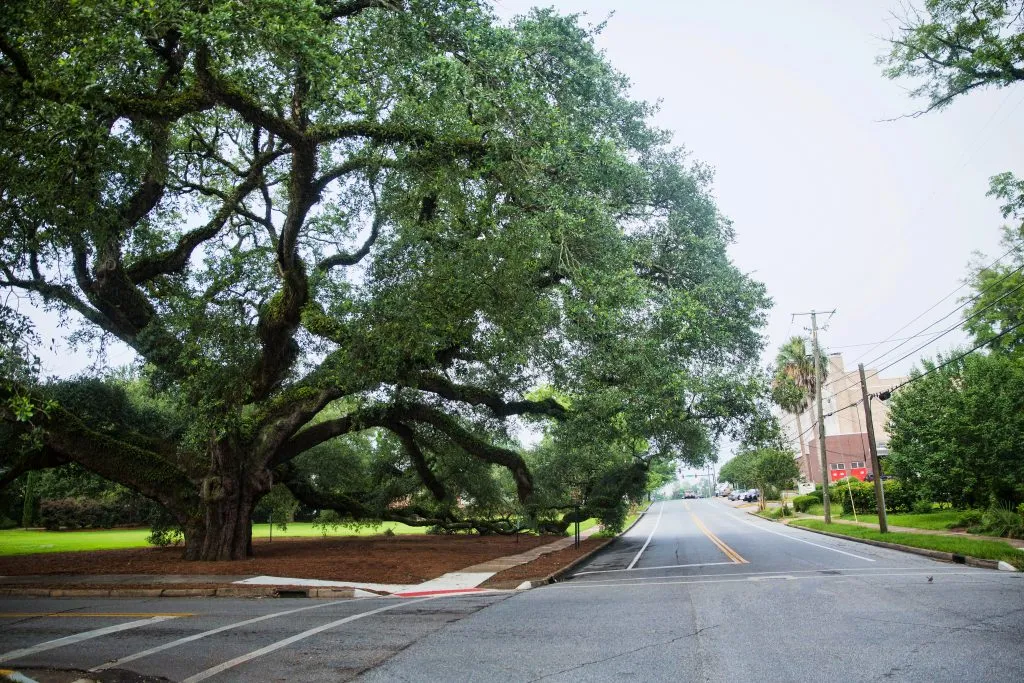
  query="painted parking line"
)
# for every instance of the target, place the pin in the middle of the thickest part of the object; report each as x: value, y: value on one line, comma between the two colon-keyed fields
x: 661, y: 509
x: 198, y: 636
x: 729, y: 552
x: 213, y: 671
x: 79, y: 637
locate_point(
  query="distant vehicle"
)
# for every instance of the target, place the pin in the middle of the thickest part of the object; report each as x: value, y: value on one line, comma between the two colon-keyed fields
x: 689, y: 494
x: 734, y: 495
x: 749, y: 496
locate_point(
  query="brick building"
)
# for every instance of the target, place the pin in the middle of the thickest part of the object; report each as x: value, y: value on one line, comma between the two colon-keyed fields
x: 846, y: 439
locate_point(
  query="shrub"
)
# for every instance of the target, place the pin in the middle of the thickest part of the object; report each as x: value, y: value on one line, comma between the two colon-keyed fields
x: 164, y: 530
x: 7, y: 523
x: 968, y: 518
x: 922, y: 507
x: 803, y: 503
x: 1002, y: 520
x: 898, y: 496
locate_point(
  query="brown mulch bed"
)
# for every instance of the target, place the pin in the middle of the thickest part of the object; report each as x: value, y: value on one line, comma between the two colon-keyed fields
x: 543, y: 565
x: 378, y: 559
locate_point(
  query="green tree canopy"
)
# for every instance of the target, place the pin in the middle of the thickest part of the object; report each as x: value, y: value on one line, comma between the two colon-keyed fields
x: 957, y: 433
x: 951, y: 47
x: 955, y: 46
x: 996, y: 313
x: 315, y: 219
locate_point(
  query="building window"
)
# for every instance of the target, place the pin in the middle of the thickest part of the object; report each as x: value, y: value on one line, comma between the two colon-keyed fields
x: 855, y: 464
x: 838, y: 466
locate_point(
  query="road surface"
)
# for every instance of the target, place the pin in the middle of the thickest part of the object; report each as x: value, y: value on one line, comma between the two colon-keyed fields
x: 696, y: 591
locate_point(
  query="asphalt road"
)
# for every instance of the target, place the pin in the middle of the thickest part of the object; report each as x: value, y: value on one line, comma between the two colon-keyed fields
x: 695, y: 591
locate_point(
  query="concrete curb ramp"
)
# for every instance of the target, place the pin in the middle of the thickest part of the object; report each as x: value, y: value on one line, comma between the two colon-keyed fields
x: 940, y: 555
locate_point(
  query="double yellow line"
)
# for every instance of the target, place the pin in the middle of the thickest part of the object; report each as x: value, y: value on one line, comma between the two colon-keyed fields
x: 729, y: 552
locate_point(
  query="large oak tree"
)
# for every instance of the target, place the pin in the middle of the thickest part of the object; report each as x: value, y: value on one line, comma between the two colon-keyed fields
x: 315, y: 218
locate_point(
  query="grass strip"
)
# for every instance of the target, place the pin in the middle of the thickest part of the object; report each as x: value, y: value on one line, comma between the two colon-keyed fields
x: 986, y: 550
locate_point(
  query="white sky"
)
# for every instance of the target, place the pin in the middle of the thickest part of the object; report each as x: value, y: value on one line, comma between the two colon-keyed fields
x: 833, y: 208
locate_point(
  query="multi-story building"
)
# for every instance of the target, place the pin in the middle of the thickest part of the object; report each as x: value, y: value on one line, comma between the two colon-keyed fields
x: 846, y: 439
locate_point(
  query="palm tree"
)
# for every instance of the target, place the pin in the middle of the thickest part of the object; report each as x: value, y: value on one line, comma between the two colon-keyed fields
x: 795, y: 384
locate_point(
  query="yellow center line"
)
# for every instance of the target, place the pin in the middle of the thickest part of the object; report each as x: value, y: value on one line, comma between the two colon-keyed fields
x: 94, y: 615
x: 729, y: 552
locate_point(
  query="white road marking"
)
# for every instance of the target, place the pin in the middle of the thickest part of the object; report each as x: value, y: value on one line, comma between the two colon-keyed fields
x: 213, y: 671
x: 640, y: 569
x: 78, y: 637
x: 853, y: 571
x: 198, y: 636
x: 800, y: 540
x: 661, y: 509
x: 594, y: 584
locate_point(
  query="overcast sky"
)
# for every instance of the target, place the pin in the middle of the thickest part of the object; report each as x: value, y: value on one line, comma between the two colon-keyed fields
x: 833, y: 208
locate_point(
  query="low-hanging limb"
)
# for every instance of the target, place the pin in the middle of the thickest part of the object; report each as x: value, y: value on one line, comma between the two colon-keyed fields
x: 445, y: 388
x: 65, y: 438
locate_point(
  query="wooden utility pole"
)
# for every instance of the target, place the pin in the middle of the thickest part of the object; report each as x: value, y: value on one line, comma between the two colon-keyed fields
x: 821, y: 419
x: 876, y: 468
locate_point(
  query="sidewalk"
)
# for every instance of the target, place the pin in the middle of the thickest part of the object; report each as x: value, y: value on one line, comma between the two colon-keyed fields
x: 468, y: 579
x: 465, y: 580
x: 1015, y: 542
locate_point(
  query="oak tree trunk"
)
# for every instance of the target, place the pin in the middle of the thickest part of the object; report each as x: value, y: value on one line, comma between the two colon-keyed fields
x: 223, y: 528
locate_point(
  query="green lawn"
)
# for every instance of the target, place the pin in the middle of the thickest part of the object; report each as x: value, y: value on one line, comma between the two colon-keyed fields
x: 936, y: 521
x: 584, y: 525
x: 989, y: 550
x: 22, y: 542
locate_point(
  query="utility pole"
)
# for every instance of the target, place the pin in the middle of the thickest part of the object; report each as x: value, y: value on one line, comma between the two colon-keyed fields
x: 821, y: 420
x: 876, y: 468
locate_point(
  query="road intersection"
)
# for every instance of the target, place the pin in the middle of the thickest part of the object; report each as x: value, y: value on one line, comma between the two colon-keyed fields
x: 696, y: 590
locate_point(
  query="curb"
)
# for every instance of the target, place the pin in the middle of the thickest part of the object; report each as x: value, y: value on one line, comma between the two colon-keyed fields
x: 559, y: 573
x: 942, y: 556
x: 222, y: 592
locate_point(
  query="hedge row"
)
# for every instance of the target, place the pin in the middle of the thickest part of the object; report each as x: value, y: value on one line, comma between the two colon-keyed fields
x: 898, y: 498
x: 87, y: 513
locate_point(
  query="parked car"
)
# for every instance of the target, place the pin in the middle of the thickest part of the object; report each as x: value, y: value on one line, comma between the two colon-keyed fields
x: 689, y: 494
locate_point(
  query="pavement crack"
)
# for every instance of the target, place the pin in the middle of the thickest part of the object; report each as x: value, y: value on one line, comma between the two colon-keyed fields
x: 626, y: 652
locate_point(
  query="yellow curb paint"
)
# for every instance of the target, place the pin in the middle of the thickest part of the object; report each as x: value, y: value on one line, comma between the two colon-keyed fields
x: 729, y: 552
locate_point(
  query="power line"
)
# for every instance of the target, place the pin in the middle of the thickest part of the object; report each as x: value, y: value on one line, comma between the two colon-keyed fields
x: 958, y: 357
x: 939, y: 335
x: 929, y: 310
x: 960, y: 324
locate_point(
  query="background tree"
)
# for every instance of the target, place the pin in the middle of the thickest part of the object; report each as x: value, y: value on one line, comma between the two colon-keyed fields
x: 957, y: 433
x: 774, y: 469
x: 739, y: 471
x: 322, y: 219
x: 998, y: 309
